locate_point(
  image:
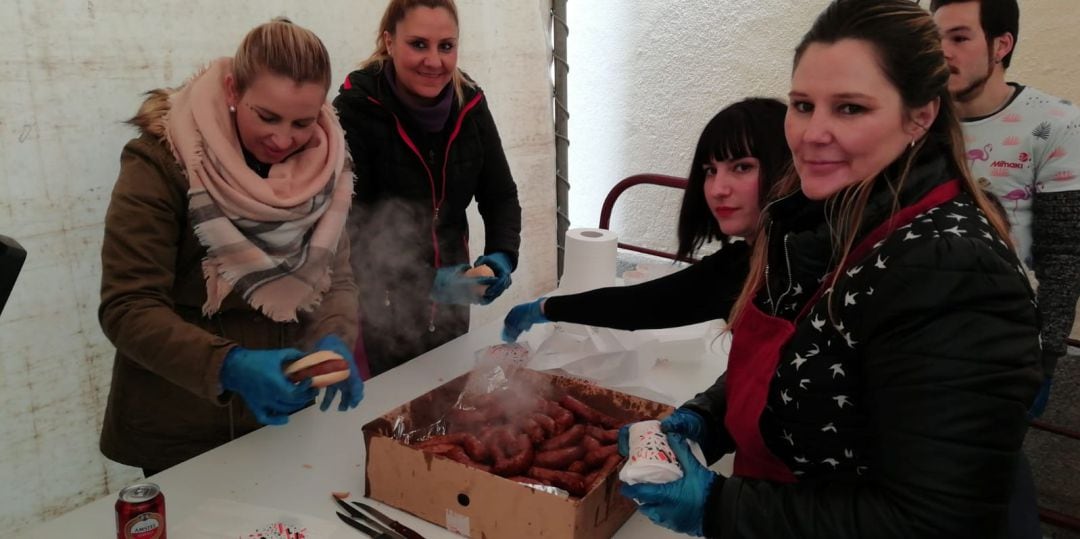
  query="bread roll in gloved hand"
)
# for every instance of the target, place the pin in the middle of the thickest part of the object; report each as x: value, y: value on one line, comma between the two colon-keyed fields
x: 480, y: 271
x: 323, y: 367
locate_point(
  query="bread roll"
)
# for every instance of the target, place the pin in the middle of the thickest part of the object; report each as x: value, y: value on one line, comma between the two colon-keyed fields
x: 480, y: 271
x: 323, y: 367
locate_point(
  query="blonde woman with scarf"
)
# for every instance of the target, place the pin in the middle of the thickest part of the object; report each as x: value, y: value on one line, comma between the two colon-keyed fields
x: 224, y: 254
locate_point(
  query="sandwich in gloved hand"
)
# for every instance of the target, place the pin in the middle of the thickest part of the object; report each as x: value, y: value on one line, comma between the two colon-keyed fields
x: 323, y: 367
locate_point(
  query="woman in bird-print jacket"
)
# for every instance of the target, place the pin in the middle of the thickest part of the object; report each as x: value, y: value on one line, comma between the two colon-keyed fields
x: 885, y: 347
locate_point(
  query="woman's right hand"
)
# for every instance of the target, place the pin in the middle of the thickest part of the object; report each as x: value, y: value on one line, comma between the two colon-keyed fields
x: 521, y: 318
x: 258, y: 376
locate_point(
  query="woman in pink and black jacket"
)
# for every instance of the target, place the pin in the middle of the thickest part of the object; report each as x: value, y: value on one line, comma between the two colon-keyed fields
x: 424, y: 145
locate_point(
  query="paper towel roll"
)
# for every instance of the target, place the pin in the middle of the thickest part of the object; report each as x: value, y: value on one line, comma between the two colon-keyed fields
x: 589, y: 260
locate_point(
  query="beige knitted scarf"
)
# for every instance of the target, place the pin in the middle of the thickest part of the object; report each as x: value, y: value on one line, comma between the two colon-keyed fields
x: 272, y: 240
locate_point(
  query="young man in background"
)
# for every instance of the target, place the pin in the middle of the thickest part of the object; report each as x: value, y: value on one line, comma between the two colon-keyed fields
x: 1023, y: 145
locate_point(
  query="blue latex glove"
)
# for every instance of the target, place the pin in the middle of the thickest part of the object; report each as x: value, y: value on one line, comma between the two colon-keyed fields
x: 1039, y: 406
x: 685, y: 422
x: 678, y: 505
x: 351, y: 388
x: 453, y: 287
x: 521, y: 318
x: 257, y: 376
x: 499, y: 262
x: 624, y: 440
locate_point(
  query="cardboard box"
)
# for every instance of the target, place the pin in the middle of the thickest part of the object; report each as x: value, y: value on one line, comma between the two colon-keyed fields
x: 478, y: 504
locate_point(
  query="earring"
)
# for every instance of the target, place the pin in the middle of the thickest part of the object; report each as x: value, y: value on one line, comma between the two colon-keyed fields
x: 912, y: 142
x: 232, y: 108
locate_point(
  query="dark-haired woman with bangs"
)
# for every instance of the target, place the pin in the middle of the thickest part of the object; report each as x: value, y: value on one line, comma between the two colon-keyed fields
x: 739, y: 156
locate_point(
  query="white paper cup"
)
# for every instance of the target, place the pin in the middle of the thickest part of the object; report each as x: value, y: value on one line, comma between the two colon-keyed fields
x: 651, y: 459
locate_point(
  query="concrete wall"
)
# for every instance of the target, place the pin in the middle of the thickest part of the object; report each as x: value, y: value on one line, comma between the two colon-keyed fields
x: 645, y: 77
x: 70, y: 73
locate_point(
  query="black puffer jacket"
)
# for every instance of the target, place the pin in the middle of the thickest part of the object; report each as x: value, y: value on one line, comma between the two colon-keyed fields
x: 903, y: 415
x: 402, y: 174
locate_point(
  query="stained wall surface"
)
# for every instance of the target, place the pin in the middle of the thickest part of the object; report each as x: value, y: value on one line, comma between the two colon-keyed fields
x: 70, y: 73
x: 645, y: 78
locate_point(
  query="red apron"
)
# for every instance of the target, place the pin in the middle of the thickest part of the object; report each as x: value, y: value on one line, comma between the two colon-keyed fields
x: 758, y: 340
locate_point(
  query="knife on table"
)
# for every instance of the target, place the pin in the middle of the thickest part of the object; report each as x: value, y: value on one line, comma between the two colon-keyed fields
x: 402, y: 529
x: 373, y: 534
x: 370, y: 527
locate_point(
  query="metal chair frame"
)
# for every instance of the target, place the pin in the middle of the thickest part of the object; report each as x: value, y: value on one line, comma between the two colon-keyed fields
x: 622, y: 186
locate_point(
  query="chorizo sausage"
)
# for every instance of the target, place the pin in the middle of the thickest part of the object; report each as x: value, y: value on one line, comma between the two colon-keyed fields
x: 501, y: 443
x: 568, y: 438
x: 458, y: 454
x: 487, y: 437
x: 590, y: 443
x: 587, y: 413
x: 607, y: 436
x: 452, y: 439
x: 601, y: 473
x: 574, y: 483
x: 578, y: 466
x: 517, y: 463
x: 324, y: 368
x: 559, y: 459
x: 532, y: 429
x: 563, y: 418
x: 599, y: 456
x: 476, y: 449
x: 546, y: 422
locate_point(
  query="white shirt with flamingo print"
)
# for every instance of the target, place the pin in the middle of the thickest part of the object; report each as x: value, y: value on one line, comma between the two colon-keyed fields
x: 1031, y: 146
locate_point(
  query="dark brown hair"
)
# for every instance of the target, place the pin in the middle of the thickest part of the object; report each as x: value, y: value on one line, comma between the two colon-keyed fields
x: 997, y: 17
x: 753, y: 127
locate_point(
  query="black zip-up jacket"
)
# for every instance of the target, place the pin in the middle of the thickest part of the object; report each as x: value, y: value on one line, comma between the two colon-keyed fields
x: 408, y: 216
x: 902, y: 415
x: 699, y: 293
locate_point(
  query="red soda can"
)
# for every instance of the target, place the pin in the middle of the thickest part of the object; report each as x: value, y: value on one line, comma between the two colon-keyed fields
x: 140, y: 512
